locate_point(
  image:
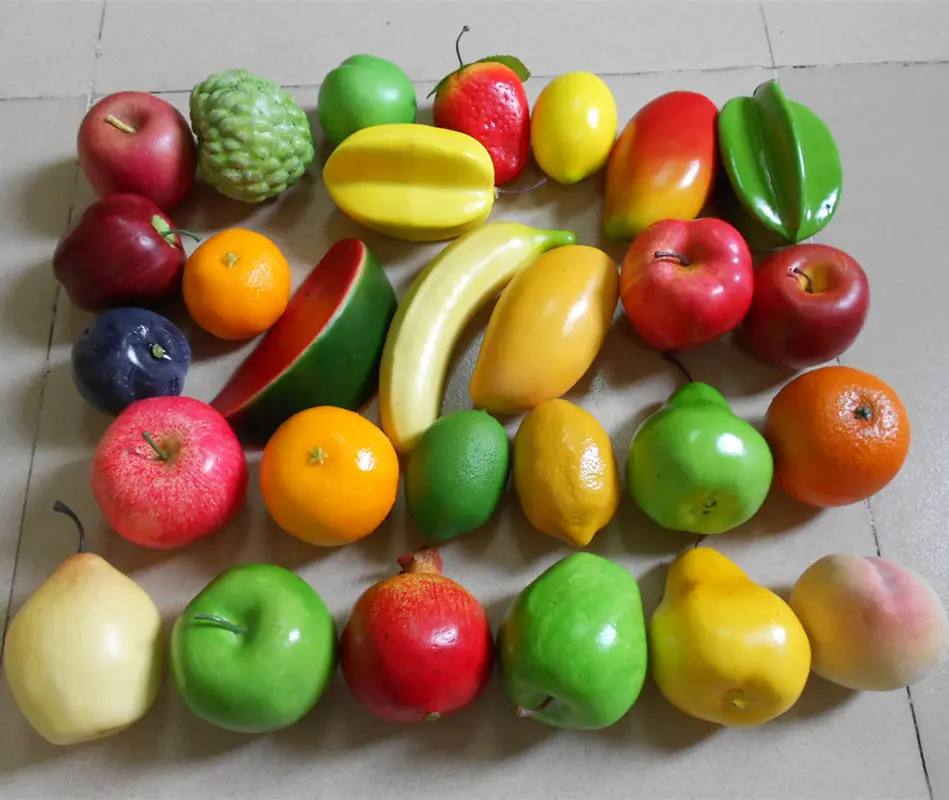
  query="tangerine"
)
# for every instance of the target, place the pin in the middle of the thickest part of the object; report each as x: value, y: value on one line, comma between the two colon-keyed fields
x: 838, y: 435
x: 329, y: 476
x: 236, y: 284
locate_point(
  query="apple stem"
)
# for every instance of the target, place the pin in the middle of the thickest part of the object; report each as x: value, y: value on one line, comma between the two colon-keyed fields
x: 664, y: 254
x: 807, y: 279
x: 62, y: 508
x: 527, y: 713
x: 182, y: 232
x: 162, y: 454
x: 670, y: 357
x: 123, y: 126
x: 464, y: 30
x: 527, y: 189
x: 224, y: 623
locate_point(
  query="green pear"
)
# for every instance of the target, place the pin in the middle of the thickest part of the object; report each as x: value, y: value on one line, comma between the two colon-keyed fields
x: 573, y: 644
x: 83, y: 654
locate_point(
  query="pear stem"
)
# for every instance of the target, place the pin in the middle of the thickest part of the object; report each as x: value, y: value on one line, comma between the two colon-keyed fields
x: 670, y: 357
x: 224, y: 623
x: 62, y: 508
x: 464, y: 30
x: 527, y: 713
x: 666, y: 254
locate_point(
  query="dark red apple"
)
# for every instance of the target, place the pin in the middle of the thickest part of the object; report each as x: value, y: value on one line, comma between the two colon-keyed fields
x: 137, y: 143
x: 122, y: 251
x: 417, y: 646
x: 684, y: 283
x: 810, y: 304
x: 168, y: 471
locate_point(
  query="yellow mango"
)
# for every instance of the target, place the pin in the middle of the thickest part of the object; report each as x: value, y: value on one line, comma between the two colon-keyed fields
x: 413, y: 182
x: 546, y: 329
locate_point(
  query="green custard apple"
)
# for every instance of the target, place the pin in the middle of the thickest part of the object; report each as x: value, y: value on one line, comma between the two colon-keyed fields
x: 254, y: 140
x: 364, y: 91
x: 697, y: 467
x: 573, y: 649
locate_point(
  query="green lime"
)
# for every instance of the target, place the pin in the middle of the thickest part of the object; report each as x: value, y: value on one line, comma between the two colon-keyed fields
x: 456, y: 474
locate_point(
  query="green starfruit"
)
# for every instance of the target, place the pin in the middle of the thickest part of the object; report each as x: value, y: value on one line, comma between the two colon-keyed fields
x: 782, y: 162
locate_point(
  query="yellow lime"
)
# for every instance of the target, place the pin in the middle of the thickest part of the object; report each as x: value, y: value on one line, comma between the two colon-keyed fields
x: 573, y: 127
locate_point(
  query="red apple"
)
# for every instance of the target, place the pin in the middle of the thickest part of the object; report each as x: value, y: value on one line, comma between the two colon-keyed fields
x: 684, y: 283
x: 167, y: 471
x: 135, y: 142
x: 122, y: 251
x: 809, y: 305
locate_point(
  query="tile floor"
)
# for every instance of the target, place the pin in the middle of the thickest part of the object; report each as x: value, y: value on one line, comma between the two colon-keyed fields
x: 877, y: 73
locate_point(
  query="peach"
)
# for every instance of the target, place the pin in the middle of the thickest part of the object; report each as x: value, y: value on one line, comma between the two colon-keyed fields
x: 874, y: 625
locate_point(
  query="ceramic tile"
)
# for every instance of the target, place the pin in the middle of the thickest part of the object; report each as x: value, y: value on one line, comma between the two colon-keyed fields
x: 278, y: 39
x: 890, y: 217
x: 37, y: 184
x: 857, y: 33
x: 339, y: 750
x: 47, y: 49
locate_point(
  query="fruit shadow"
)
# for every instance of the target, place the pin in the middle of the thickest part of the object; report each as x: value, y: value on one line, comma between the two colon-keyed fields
x: 779, y: 514
x: 29, y: 304
x: 206, y: 211
x: 818, y: 698
x: 42, y: 196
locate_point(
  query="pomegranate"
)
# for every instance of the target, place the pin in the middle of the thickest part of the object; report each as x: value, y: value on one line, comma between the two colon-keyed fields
x: 417, y: 645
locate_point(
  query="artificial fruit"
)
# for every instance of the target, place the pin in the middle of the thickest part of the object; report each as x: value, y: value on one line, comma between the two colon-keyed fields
x: 572, y: 647
x: 254, y: 651
x: 137, y: 143
x: 685, y: 283
x: 417, y: 646
x: 810, y: 304
x: 486, y: 100
x: 83, y: 655
x: 433, y: 313
x: 723, y: 648
x: 122, y: 251
x: 168, y: 471
x: 695, y: 466
x: 662, y: 166
x: 546, y: 329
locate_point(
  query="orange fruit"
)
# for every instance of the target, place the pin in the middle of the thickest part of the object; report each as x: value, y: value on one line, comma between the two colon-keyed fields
x: 236, y: 284
x: 329, y: 476
x: 838, y: 436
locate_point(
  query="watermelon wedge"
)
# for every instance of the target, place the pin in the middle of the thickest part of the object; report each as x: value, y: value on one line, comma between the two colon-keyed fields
x: 323, y: 351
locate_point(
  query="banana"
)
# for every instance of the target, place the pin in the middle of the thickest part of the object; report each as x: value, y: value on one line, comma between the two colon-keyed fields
x: 440, y: 302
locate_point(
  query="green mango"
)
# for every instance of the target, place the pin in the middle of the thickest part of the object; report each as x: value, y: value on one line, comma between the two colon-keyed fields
x: 781, y: 161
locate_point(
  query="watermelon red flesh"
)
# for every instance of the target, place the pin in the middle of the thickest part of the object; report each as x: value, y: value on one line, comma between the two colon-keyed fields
x: 324, y: 350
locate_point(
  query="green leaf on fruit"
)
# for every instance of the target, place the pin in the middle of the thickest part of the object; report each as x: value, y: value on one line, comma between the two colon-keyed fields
x: 781, y: 161
x: 509, y: 61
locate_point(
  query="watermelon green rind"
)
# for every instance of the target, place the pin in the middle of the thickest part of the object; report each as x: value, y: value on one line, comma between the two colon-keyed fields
x: 342, y: 312
x: 781, y: 161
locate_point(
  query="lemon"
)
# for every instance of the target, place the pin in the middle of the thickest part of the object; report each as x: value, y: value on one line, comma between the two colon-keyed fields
x: 565, y: 474
x: 573, y: 127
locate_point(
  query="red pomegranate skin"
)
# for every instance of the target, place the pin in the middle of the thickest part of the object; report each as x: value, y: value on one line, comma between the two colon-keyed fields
x: 488, y: 102
x: 417, y: 645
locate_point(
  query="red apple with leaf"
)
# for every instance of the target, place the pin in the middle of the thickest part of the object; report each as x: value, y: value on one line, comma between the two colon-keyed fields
x: 137, y: 143
x: 684, y: 283
x: 810, y: 304
x: 169, y: 471
x: 123, y: 250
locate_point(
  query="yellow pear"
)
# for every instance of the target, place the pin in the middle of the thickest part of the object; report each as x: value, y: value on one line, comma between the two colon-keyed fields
x: 83, y: 655
x: 723, y: 648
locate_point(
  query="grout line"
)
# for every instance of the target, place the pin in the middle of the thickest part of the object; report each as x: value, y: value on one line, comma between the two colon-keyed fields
x: 98, y: 52
x: 39, y: 418
x: 767, y: 36
x: 691, y: 71
x: 919, y: 742
x: 873, y: 525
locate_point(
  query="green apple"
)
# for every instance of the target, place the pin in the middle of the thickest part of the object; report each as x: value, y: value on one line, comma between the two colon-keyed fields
x: 361, y: 92
x: 255, y: 650
x: 573, y: 644
x: 695, y: 466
